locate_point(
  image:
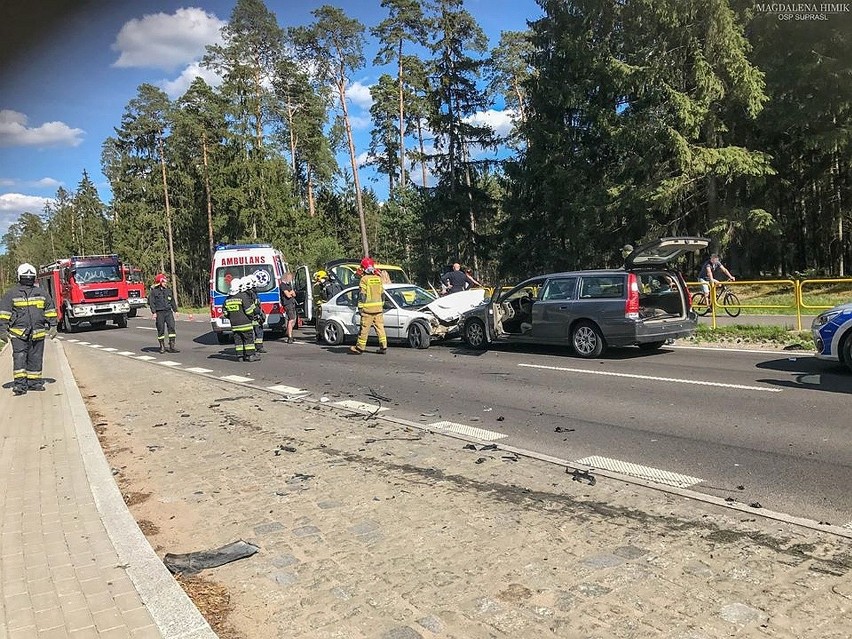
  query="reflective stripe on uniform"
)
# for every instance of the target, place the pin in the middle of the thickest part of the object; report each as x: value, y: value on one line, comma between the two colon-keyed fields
x: 38, y: 302
x: 19, y: 374
x: 50, y: 313
x: 5, y: 315
x: 33, y: 374
x: 371, y: 292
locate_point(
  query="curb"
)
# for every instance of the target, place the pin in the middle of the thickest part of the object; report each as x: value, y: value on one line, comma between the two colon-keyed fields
x: 170, y: 607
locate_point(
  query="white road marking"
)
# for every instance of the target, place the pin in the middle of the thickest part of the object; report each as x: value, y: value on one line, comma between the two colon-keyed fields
x: 197, y: 369
x: 354, y: 405
x: 126, y: 353
x: 168, y: 362
x: 146, y: 328
x: 95, y: 346
x: 145, y: 358
x: 741, y: 350
x: 110, y: 350
x: 642, y: 472
x: 287, y: 390
x: 654, y: 378
x: 73, y: 341
x: 470, y: 431
x: 83, y: 343
x: 237, y: 378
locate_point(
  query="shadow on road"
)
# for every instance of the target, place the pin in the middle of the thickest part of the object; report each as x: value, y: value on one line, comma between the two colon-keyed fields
x: 809, y: 373
x: 45, y: 380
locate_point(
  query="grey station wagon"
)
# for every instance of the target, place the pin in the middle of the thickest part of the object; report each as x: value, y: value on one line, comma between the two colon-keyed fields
x: 643, y: 304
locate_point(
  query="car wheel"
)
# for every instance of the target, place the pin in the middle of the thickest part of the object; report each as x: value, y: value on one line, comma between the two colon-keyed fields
x: 222, y: 338
x: 474, y: 334
x: 418, y: 336
x: 587, y: 340
x: 132, y: 312
x: 332, y: 334
x: 121, y: 321
x: 846, y: 350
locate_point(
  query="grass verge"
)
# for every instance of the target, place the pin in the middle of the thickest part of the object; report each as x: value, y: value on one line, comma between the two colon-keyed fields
x: 775, y: 336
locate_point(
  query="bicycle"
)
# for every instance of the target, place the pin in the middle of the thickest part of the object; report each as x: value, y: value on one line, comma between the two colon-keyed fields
x: 724, y: 296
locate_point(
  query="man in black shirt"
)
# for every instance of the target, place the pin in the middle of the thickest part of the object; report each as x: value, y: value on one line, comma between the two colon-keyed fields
x: 457, y: 280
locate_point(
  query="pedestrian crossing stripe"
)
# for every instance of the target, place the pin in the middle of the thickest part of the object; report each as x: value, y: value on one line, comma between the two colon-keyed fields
x: 287, y: 390
x: 198, y: 369
x: 648, y: 473
x: 110, y: 350
x: 126, y: 353
x: 145, y: 358
x: 168, y: 363
x: 95, y: 346
x: 469, y: 431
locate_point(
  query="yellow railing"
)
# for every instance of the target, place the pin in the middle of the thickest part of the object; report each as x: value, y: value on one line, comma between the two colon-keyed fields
x: 797, y: 302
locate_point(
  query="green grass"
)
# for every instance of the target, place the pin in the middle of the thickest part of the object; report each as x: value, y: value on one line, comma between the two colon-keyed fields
x: 194, y: 310
x: 746, y: 334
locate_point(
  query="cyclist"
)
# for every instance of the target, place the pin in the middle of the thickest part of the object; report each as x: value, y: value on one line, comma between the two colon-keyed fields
x: 707, y: 275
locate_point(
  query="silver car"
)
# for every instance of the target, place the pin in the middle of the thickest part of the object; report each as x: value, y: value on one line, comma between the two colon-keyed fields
x: 643, y: 304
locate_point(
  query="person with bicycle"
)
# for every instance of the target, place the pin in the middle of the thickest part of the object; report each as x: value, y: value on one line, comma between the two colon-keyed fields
x: 707, y: 276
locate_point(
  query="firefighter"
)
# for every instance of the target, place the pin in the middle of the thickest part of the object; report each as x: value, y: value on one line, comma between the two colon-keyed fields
x: 163, y: 308
x: 239, y: 312
x: 371, y: 307
x: 27, y: 315
x: 258, y: 318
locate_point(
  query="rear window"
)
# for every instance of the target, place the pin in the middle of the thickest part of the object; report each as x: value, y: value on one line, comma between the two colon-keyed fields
x: 602, y: 287
x: 224, y: 275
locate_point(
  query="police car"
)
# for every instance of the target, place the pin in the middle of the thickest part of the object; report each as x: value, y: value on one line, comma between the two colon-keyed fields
x: 832, y: 332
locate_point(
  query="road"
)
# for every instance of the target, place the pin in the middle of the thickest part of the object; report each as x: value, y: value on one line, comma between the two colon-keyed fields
x: 767, y: 428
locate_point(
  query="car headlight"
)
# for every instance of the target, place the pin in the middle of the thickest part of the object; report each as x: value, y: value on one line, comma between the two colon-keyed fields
x: 825, y: 318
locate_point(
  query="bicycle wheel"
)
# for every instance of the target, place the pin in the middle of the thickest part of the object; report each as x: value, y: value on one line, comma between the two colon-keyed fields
x: 699, y: 304
x: 731, y: 303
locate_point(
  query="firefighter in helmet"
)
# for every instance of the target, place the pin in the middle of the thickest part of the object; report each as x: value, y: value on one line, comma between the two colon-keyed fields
x: 163, y: 308
x: 371, y: 307
x: 259, y: 318
x: 239, y: 310
x: 27, y: 315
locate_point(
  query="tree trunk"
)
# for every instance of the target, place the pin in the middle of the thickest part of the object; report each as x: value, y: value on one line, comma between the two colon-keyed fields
x: 341, y: 88
x: 474, y: 249
x: 518, y: 95
x: 401, y: 124
x: 168, y: 218
x: 310, y: 179
x: 422, y: 151
x: 209, y: 194
x: 838, y: 198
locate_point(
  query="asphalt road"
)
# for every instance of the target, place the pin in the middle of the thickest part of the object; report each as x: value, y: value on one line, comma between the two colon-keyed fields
x: 768, y: 428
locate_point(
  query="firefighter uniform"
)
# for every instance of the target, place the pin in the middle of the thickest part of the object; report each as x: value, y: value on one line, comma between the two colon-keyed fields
x: 371, y: 306
x: 162, y: 303
x: 27, y: 316
x: 258, y: 318
x: 239, y: 310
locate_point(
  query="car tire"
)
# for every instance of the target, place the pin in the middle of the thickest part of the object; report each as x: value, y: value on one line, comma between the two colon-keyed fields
x: 651, y: 346
x: 418, y: 335
x: 332, y: 334
x: 222, y: 338
x: 67, y: 326
x: 121, y: 321
x: 132, y: 312
x: 587, y: 341
x: 846, y: 350
x: 474, y: 334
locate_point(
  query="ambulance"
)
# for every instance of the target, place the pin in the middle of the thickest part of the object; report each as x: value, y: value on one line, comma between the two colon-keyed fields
x: 267, y: 264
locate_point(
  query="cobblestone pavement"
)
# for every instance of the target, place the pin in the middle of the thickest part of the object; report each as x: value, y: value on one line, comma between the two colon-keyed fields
x: 374, y: 530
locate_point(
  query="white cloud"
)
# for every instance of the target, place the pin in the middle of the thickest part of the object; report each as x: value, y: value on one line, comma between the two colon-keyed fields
x: 13, y: 204
x: 500, y: 121
x: 363, y: 158
x: 177, y: 87
x: 15, y: 132
x: 360, y: 122
x: 163, y: 41
x: 48, y: 183
x: 359, y: 95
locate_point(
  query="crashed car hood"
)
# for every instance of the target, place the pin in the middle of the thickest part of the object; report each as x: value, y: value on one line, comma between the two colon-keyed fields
x: 450, y: 307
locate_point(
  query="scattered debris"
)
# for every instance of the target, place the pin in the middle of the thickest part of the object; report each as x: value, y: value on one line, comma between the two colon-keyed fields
x: 583, y: 475
x: 427, y: 414
x: 730, y: 500
x: 489, y: 447
x: 559, y: 429
x: 755, y: 504
x: 480, y: 460
x: 501, y: 418
x: 302, y: 476
x: 193, y: 562
x: 740, y: 487
x: 282, y: 448
x: 486, y: 410
x: 469, y: 447
x: 184, y: 414
x: 375, y: 395
x: 510, y: 458
x: 214, y: 406
x: 153, y: 447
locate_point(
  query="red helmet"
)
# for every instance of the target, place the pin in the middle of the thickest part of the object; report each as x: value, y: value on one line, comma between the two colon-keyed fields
x: 159, y: 278
x: 367, y: 262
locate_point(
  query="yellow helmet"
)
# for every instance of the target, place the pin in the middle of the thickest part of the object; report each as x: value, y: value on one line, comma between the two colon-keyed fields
x: 320, y: 275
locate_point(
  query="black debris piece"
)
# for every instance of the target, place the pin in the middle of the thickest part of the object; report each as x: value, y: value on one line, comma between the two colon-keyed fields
x: 755, y: 504
x: 375, y: 395
x: 214, y: 406
x: 583, y: 476
x: 489, y: 447
x: 740, y: 487
x: 730, y: 499
x: 193, y: 562
x: 480, y: 460
x: 469, y: 447
x: 184, y: 414
x: 501, y: 418
x: 559, y: 429
x: 302, y: 476
x: 510, y: 458
x: 283, y: 448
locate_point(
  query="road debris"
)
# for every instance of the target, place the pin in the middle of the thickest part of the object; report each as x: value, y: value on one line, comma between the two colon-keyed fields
x: 583, y: 476
x: 559, y: 429
x: 193, y: 562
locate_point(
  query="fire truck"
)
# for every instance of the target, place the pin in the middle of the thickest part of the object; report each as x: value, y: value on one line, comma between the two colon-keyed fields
x: 136, y: 294
x: 89, y: 289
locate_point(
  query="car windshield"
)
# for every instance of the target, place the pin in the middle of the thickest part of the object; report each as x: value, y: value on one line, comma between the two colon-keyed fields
x: 94, y: 274
x: 410, y: 296
x: 397, y: 276
x: 263, y: 272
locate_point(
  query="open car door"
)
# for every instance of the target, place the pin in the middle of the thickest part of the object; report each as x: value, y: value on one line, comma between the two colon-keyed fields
x: 304, y: 294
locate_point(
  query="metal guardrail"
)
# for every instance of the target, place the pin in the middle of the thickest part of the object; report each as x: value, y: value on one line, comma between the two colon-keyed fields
x: 796, y: 304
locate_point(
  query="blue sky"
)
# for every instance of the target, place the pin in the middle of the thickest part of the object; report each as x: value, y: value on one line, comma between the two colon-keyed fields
x: 65, y: 96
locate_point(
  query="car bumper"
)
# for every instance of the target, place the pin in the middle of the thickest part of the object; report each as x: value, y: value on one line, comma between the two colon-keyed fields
x: 654, y: 331
x: 138, y: 302
x: 822, y: 346
x: 84, y: 311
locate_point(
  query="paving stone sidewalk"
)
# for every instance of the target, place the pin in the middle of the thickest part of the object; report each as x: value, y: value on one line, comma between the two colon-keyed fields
x: 369, y: 529
x: 61, y: 574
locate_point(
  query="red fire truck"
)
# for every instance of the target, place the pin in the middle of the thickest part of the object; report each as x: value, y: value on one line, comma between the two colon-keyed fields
x: 89, y: 289
x: 136, y: 294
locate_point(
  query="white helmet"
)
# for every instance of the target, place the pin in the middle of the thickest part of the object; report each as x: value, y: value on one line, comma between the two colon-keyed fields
x: 235, y: 286
x: 251, y: 280
x: 244, y: 284
x: 26, y: 270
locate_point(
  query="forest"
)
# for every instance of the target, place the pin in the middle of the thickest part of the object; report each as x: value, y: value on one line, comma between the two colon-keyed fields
x: 632, y: 120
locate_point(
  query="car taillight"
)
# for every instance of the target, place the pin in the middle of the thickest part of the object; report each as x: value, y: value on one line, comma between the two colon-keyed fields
x: 684, y: 288
x: 631, y: 306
